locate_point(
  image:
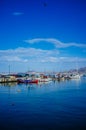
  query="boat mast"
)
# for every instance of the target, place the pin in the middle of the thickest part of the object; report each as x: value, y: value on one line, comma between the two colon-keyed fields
x: 9, y: 69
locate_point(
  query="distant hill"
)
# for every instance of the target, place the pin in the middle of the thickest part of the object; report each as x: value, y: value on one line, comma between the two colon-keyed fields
x: 80, y: 70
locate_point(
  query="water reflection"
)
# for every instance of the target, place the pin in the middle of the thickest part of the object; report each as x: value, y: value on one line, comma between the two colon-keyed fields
x: 42, y: 86
x: 11, y: 84
x: 45, y: 103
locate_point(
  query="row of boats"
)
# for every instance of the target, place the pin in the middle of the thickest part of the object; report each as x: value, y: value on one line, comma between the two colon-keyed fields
x: 47, y: 79
x: 33, y: 80
x: 37, y: 78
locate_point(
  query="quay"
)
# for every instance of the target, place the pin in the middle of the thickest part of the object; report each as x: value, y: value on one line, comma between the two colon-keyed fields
x: 7, y: 79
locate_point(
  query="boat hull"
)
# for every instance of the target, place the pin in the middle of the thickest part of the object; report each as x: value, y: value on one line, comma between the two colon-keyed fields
x: 27, y: 81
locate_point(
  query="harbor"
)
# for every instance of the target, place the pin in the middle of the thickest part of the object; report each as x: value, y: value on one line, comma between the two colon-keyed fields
x: 35, y: 77
x: 42, y: 65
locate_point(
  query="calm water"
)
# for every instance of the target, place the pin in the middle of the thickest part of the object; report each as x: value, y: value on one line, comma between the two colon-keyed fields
x: 50, y: 106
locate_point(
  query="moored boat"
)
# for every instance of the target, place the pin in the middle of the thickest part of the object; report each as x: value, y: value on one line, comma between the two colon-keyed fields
x: 27, y: 81
x: 74, y: 76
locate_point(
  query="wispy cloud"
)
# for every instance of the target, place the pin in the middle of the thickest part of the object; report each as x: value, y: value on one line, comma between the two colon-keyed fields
x: 12, y: 59
x: 17, y: 13
x: 50, y: 59
x: 37, y: 59
x: 35, y: 55
x: 56, y: 42
x: 26, y: 54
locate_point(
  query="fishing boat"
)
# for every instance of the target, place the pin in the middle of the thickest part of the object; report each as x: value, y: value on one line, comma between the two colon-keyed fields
x: 27, y: 81
x: 74, y: 76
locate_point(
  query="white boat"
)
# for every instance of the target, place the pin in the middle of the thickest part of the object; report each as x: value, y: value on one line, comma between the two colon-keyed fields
x: 74, y: 76
x: 43, y: 79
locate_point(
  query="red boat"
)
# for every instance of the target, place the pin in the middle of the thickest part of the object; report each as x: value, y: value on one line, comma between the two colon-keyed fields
x: 33, y: 81
x: 27, y: 81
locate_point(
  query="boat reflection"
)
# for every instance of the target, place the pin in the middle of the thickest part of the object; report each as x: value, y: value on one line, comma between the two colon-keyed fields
x: 11, y: 84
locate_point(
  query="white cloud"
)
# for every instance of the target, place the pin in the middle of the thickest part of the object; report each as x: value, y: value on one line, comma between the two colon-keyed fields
x: 56, y: 42
x: 38, y: 59
x: 12, y: 59
x: 17, y: 13
x: 50, y: 59
x: 35, y: 55
x: 26, y: 54
x: 63, y: 60
x: 72, y: 59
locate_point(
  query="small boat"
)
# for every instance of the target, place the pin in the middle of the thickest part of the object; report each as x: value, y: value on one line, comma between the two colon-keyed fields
x: 27, y: 81
x: 43, y: 79
x: 32, y: 81
x: 74, y: 76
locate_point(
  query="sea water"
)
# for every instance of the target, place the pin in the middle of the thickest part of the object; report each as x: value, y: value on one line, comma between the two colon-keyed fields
x: 45, y: 106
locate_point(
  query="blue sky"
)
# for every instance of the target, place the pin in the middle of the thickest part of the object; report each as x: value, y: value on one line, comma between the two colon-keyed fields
x: 42, y: 35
